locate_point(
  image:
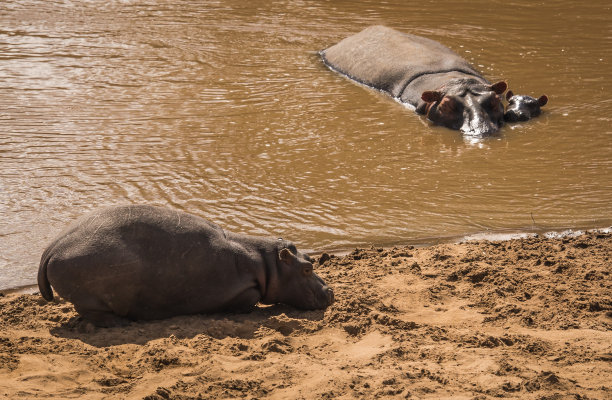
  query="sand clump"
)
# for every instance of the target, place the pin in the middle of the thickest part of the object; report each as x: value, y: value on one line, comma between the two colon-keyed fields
x: 525, y: 318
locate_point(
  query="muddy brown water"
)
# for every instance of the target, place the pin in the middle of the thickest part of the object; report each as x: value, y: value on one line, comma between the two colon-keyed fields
x: 224, y: 109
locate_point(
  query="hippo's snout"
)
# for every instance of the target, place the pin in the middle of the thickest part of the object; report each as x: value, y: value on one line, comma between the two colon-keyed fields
x: 323, y: 298
x: 478, y: 123
x: 324, y: 295
x: 516, y: 116
x: 480, y: 130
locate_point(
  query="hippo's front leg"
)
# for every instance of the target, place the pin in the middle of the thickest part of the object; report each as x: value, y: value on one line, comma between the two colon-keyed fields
x: 245, y: 302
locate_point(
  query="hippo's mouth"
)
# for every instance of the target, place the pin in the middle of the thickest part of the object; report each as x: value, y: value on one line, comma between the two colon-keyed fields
x: 321, y: 299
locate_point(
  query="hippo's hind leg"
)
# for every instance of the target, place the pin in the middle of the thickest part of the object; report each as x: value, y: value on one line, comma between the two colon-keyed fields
x: 101, y: 317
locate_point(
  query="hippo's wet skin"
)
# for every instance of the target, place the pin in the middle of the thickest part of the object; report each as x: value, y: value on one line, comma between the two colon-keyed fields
x: 423, y: 73
x: 143, y: 262
x: 523, y: 108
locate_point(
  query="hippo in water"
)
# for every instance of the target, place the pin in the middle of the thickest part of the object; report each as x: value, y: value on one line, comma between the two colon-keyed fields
x: 143, y: 262
x: 424, y: 74
x: 523, y: 108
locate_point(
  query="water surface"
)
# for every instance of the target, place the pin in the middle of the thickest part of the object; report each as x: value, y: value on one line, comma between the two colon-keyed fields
x: 225, y: 110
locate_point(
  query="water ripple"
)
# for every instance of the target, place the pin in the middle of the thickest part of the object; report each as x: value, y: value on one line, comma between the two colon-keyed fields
x: 226, y: 111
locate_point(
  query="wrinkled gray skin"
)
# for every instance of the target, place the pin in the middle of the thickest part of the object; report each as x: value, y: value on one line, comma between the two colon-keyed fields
x: 422, y: 73
x: 142, y: 262
x: 523, y: 108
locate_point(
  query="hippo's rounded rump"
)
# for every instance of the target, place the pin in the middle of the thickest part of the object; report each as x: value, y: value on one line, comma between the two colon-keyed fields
x: 144, y: 262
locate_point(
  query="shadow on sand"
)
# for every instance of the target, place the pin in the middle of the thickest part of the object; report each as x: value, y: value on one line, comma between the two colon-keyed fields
x: 281, y: 318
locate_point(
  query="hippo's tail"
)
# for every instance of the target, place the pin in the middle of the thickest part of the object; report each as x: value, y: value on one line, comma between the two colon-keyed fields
x: 43, y: 283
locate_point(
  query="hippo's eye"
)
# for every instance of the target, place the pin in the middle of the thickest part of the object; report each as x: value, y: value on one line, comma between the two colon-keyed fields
x: 307, y: 270
x: 449, y: 105
x: 493, y: 102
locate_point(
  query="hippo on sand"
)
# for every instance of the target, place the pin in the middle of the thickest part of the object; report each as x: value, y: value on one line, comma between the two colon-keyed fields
x: 143, y: 262
x: 424, y: 74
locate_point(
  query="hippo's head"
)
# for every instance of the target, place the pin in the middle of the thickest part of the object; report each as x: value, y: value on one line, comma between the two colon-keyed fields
x: 523, y: 108
x: 298, y: 285
x: 468, y: 105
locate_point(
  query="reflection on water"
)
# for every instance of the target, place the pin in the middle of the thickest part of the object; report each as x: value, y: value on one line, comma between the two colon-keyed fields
x: 225, y: 110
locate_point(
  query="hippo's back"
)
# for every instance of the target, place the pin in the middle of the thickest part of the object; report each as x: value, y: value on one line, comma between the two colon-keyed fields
x: 146, y: 230
x: 389, y: 60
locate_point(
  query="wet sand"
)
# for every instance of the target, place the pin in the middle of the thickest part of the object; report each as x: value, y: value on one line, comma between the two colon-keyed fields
x: 524, y: 318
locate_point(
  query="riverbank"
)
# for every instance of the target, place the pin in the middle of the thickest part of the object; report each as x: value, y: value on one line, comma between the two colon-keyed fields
x: 522, y: 318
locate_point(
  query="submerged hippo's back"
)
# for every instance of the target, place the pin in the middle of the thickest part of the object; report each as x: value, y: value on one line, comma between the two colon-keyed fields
x: 389, y: 60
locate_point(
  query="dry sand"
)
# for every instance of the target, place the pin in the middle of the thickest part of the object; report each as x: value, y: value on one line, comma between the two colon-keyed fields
x: 526, y: 318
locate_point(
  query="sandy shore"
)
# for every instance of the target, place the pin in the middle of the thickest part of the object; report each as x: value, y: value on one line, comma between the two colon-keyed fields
x: 525, y: 318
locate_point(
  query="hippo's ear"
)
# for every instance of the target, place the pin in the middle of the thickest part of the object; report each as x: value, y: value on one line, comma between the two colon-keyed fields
x: 429, y: 96
x: 509, y: 94
x: 286, y: 256
x: 499, y: 87
x: 543, y: 100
